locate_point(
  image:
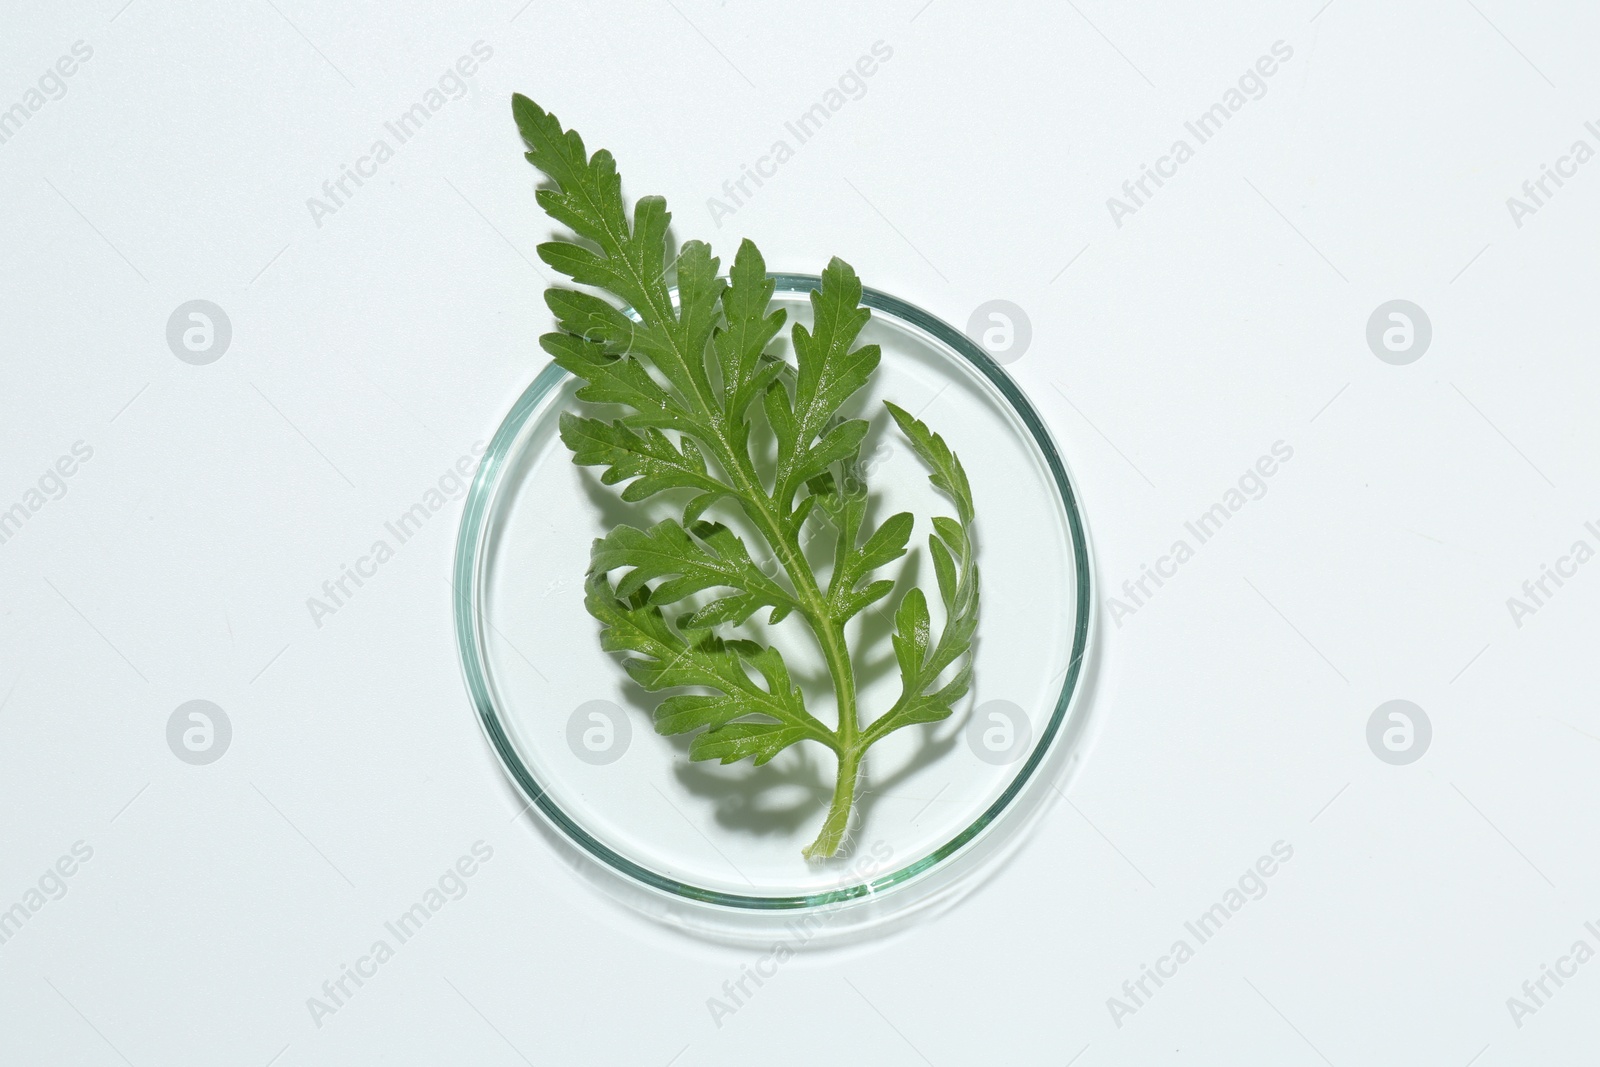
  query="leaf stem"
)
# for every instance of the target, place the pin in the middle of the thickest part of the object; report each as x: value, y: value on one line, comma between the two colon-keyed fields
x: 814, y: 608
x: 831, y: 836
x: 830, y: 636
x: 736, y: 462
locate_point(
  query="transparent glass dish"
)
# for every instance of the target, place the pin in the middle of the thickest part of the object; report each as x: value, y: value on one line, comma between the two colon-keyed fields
x: 717, y: 848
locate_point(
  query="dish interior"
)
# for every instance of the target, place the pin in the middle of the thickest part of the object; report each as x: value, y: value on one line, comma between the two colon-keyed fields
x: 576, y: 731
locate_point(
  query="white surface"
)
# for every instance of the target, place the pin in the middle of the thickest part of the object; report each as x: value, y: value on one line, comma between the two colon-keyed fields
x: 371, y: 352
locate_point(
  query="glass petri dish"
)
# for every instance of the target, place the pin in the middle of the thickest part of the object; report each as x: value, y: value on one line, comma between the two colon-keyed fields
x: 717, y: 849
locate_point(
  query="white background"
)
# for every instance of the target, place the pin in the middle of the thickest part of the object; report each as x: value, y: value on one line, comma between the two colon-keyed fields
x: 1168, y: 354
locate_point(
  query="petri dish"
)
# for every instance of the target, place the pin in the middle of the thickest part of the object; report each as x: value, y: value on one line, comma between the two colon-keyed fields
x: 717, y: 849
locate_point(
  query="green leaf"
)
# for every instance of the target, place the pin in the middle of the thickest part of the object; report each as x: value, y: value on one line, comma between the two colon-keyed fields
x: 699, y: 294
x: 741, y: 341
x: 828, y: 372
x: 835, y: 446
x: 685, y: 354
x: 627, y: 258
x: 648, y: 456
x: 617, y: 380
x: 714, y: 556
x: 844, y: 502
x: 911, y: 631
x: 947, y: 475
x: 923, y: 660
x: 926, y: 707
x: 853, y: 565
x: 659, y: 657
x: 944, y: 569
x: 744, y: 740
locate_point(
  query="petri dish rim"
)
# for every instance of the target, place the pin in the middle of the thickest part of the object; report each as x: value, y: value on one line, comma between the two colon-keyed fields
x: 468, y: 575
